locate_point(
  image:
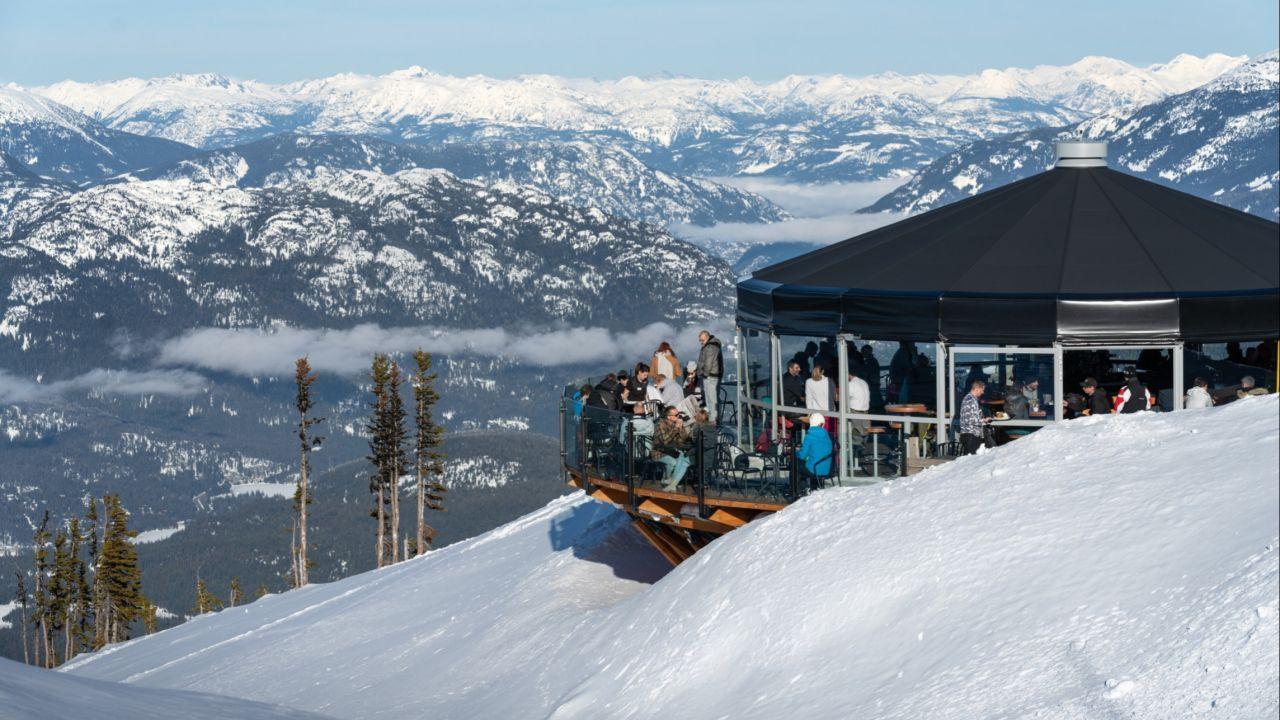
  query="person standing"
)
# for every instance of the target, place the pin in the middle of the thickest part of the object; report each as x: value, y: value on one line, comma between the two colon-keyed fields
x: 1096, y: 402
x: 859, y: 402
x: 1134, y: 396
x: 666, y: 363
x: 971, y: 419
x: 711, y: 366
x: 793, y: 386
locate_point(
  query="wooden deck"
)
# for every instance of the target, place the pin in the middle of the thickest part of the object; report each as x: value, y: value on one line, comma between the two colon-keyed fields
x: 670, y: 520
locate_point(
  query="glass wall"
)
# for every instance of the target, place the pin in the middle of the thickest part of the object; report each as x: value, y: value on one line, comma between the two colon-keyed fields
x: 1019, y: 394
x: 1223, y: 366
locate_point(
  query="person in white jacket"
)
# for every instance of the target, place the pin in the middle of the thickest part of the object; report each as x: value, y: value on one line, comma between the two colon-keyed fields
x: 1198, y: 396
x: 859, y: 402
x: 817, y: 391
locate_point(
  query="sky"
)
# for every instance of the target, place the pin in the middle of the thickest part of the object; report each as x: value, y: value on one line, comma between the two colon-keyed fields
x: 43, y: 41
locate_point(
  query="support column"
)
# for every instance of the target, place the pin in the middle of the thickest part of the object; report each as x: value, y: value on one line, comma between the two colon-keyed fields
x: 1058, y: 396
x: 739, y: 362
x: 940, y: 355
x: 775, y: 381
x: 842, y: 406
x: 1179, y: 378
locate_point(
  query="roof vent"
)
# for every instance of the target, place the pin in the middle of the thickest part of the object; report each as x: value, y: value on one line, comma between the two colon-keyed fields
x: 1080, y: 154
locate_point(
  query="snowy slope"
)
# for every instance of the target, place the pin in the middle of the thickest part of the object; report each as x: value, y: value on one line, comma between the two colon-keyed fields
x: 28, y: 693
x: 1123, y: 566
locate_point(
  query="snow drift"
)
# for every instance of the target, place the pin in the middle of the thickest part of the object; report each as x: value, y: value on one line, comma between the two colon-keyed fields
x: 28, y: 693
x: 1104, y: 567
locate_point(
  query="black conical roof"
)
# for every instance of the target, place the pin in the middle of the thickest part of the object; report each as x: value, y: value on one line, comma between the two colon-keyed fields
x: 1087, y: 237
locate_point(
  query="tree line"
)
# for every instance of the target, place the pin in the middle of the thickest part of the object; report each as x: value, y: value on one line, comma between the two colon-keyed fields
x: 85, y: 590
x: 395, y: 454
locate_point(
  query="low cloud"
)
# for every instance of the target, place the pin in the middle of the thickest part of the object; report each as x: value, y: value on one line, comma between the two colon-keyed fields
x: 102, y: 381
x: 823, y: 213
x: 804, y: 200
x: 347, y: 351
x: 816, y: 230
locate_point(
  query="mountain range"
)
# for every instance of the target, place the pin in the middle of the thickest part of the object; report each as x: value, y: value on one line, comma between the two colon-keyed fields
x: 1220, y: 141
x: 807, y: 128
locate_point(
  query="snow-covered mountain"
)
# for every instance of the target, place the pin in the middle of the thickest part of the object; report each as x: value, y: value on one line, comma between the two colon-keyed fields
x: 1017, y: 583
x: 806, y: 127
x: 53, y: 140
x: 408, y: 248
x: 576, y: 173
x: 1220, y: 141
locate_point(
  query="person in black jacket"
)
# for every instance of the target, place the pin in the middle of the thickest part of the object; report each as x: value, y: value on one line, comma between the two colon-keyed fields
x: 1096, y: 400
x: 606, y: 394
x: 793, y: 386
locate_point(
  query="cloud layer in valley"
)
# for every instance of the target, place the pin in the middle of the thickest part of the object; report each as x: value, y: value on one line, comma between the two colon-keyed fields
x: 347, y: 351
x: 174, y: 382
x: 823, y: 214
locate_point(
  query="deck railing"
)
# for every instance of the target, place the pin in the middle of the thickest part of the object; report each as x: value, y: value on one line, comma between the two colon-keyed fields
x: 607, y: 446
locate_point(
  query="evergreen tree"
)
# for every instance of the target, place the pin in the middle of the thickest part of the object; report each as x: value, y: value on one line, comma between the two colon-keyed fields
x: 20, y: 598
x: 149, y: 613
x: 40, y: 596
x: 261, y: 591
x: 61, y: 595
x: 379, y: 376
x: 237, y: 595
x: 303, y: 378
x: 97, y: 588
x: 82, y: 623
x: 428, y: 460
x: 205, y: 600
x: 121, y: 601
x: 396, y: 437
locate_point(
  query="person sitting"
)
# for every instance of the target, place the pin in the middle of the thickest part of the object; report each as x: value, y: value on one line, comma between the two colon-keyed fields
x: 1016, y: 405
x: 1031, y: 391
x: 692, y: 383
x: 1248, y: 388
x: 793, y: 386
x: 637, y: 387
x: 668, y: 390
x: 671, y: 443
x: 971, y: 418
x: 1134, y: 396
x: 605, y: 394
x: 665, y: 362
x: 1198, y: 396
x: 1096, y: 402
x: 816, y: 451
x: 641, y: 425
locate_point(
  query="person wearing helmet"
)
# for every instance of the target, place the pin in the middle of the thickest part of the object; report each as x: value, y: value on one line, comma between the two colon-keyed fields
x: 1134, y: 396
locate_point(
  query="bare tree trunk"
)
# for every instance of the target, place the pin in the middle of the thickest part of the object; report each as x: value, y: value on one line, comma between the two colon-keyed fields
x: 382, y: 523
x: 293, y: 553
x: 44, y: 640
x: 26, y: 656
x: 395, y: 512
x: 421, y: 547
x: 302, y: 523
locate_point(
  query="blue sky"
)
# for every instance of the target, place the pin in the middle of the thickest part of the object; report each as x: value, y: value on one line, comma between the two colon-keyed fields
x: 278, y: 40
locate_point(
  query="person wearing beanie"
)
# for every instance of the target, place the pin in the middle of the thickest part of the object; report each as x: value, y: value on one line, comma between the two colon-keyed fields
x: 816, y: 451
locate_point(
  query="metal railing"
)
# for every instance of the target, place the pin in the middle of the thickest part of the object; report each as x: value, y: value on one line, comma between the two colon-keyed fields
x: 705, y: 465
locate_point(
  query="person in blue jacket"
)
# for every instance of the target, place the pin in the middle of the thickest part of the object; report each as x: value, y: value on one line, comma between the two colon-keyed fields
x: 816, y: 450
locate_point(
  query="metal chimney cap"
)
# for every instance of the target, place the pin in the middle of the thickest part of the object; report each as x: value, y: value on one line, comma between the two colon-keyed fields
x: 1080, y: 154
